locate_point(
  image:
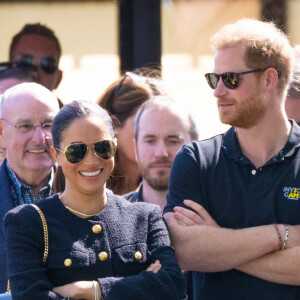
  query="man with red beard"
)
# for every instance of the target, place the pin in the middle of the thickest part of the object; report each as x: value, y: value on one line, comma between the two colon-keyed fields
x: 239, y: 231
x: 162, y: 126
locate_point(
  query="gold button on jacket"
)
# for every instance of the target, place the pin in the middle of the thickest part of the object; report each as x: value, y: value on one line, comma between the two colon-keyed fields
x: 68, y: 262
x: 97, y: 228
x: 103, y: 256
x: 138, y: 255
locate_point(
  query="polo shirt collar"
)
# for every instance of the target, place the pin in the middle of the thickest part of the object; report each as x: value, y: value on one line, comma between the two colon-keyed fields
x: 230, y: 145
x: 138, y: 194
x: 232, y: 149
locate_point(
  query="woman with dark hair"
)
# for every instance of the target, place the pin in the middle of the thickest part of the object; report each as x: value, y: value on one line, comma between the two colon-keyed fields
x: 122, y: 99
x: 100, y: 245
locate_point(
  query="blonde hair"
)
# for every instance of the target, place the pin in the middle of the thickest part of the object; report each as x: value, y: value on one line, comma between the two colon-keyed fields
x: 266, y: 46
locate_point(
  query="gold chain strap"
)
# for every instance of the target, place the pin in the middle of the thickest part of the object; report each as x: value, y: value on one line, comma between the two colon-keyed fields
x: 45, y: 228
x: 8, y: 287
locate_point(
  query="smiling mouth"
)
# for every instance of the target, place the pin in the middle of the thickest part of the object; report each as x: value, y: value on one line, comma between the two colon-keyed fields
x: 37, y: 151
x: 90, y: 174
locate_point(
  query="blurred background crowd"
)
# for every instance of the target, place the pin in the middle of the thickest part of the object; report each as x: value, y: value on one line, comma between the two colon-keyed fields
x: 88, y: 33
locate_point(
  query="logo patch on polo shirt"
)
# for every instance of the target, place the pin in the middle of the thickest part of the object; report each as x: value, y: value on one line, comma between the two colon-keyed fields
x: 291, y: 193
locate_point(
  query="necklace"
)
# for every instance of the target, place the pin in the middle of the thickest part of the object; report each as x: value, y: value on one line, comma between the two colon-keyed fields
x: 75, y: 211
x: 78, y: 212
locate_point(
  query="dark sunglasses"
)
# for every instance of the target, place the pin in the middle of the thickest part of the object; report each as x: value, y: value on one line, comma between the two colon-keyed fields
x: 76, y: 152
x: 230, y: 79
x: 48, y: 64
x: 4, y: 66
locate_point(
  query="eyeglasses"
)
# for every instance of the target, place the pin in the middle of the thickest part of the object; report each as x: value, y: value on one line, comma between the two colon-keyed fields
x: 230, y: 79
x: 48, y: 64
x: 76, y: 152
x: 29, y: 127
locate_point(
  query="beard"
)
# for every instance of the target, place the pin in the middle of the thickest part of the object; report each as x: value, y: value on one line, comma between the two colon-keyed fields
x: 247, y: 113
x: 160, y: 180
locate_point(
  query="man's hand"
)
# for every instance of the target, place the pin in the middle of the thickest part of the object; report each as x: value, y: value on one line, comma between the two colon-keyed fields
x: 197, y: 216
x: 155, y: 267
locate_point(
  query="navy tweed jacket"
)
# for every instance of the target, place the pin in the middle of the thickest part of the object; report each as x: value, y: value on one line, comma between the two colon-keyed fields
x: 132, y: 236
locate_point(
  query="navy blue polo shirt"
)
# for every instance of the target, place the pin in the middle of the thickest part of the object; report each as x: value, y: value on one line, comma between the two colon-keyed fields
x: 217, y: 175
x: 136, y: 195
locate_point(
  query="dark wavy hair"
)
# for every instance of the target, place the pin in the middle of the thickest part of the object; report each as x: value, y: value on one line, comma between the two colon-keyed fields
x: 78, y: 109
x: 70, y: 112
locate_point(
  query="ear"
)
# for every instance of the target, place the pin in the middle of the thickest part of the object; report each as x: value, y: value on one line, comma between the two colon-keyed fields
x: 55, y: 154
x: 135, y: 149
x: 116, y: 141
x: 1, y: 127
x: 271, y: 77
x: 59, y: 78
x: 2, y: 140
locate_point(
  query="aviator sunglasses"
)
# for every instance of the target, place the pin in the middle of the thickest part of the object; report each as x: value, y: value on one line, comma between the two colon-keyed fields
x: 48, y: 64
x: 76, y: 152
x: 230, y: 79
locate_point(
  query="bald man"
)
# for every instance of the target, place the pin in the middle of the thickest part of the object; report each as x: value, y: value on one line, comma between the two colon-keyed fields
x: 27, y: 111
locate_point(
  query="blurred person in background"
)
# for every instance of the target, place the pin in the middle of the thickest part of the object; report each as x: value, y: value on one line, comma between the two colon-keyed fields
x: 162, y: 126
x: 292, y: 103
x: 37, y: 48
x: 11, y: 75
x: 122, y: 99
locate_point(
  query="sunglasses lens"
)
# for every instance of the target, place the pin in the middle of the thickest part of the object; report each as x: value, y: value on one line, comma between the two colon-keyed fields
x: 5, y: 66
x: 105, y: 149
x: 49, y: 65
x: 212, y: 80
x: 26, y: 62
x: 231, y: 80
x: 75, y: 153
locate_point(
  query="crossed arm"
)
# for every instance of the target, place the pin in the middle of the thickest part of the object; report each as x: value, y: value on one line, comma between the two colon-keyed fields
x: 29, y: 277
x: 86, y: 289
x: 201, y: 245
